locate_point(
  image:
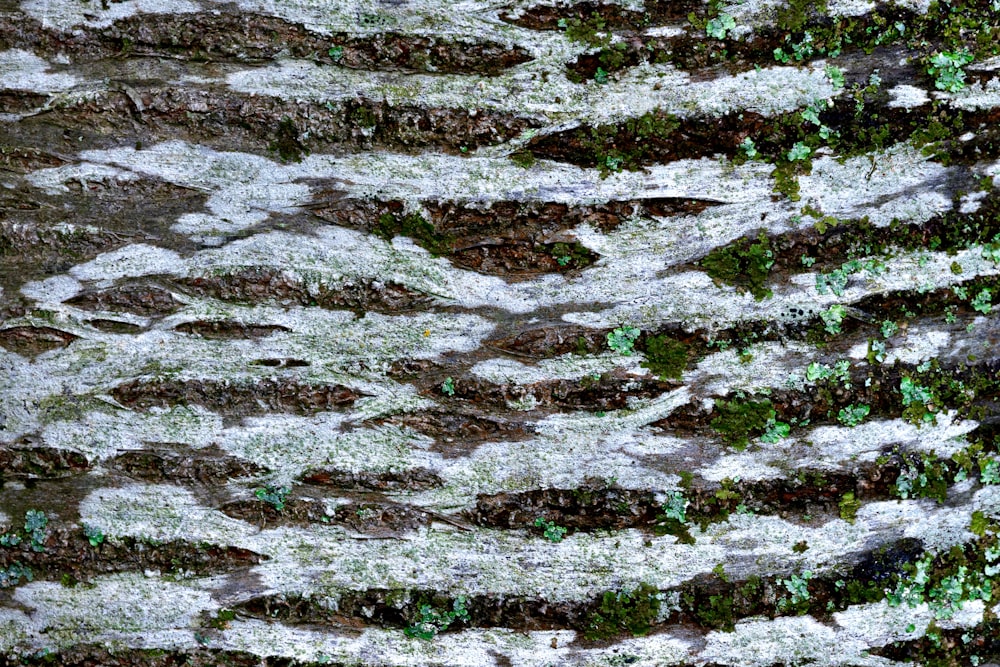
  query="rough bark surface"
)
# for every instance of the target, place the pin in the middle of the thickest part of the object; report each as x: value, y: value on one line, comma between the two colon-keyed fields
x: 499, y: 332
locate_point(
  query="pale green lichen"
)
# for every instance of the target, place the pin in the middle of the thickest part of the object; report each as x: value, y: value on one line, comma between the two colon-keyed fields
x: 564, y: 367
x: 132, y: 607
x: 768, y: 91
x: 15, y: 630
x: 918, y: 344
x: 62, y: 393
x: 977, y: 96
x: 763, y: 366
x: 288, y: 446
x: 567, y: 450
x: 160, y: 512
x: 905, y: 96
x: 357, y: 354
x: 898, y: 183
x: 795, y: 640
x: 498, y: 562
x: 839, y: 448
x: 344, y: 255
x: 65, y: 15
x: 103, y: 434
x: 23, y: 70
x: 138, y: 259
x: 472, y: 646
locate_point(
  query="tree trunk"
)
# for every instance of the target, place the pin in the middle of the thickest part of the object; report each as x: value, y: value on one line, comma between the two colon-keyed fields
x: 410, y: 332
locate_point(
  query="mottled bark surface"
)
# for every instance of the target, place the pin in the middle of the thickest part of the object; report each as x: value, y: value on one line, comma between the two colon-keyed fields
x: 499, y: 332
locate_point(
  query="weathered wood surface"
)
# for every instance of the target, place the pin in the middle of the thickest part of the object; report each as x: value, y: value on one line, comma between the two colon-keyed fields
x: 320, y: 318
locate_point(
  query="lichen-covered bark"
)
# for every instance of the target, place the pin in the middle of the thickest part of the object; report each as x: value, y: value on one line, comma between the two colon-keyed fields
x: 507, y: 332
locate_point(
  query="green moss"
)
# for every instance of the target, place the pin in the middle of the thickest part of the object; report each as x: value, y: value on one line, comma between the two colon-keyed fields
x: 738, y: 421
x: 627, y: 146
x: 416, y: 227
x: 571, y: 255
x: 946, y: 26
x: 796, y: 13
x: 621, y: 612
x: 667, y: 525
x: 980, y: 522
x: 524, y: 158
x: 752, y: 588
x: 717, y: 614
x: 585, y: 31
x: 363, y: 116
x: 60, y: 408
x: 849, y: 507
x: 222, y: 620
x: 926, y: 476
x: 666, y: 357
x: 744, y: 264
x: 857, y: 591
x: 786, y: 180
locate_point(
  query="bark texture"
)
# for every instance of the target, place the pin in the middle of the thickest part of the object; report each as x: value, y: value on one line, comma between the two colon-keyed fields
x: 499, y: 332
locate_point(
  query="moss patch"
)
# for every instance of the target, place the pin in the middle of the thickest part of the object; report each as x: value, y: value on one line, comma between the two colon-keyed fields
x: 738, y: 421
x: 416, y: 227
x: 666, y: 357
x: 849, y: 507
x: 744, y: 264
x: 621, y: 612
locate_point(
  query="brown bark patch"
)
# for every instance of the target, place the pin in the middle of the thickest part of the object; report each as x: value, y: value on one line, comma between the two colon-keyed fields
x: 144, y: 300
x: 31, y: 341
x: 236, y: 398
x: 68, y: 555
x: 415, y: 479
x: 455, y: 431
x: 263, y: 284
x: 39, y: 462
x: 228, y: 329
x: 606, y: 392
x: 203, y: 467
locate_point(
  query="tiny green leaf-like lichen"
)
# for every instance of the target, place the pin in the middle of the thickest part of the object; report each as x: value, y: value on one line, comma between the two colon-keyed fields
x: 720, y: 25
x: 622, y: 340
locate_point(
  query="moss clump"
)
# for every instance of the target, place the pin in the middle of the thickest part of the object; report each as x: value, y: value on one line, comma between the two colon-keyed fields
x: 613, y: 148
x: 594, y: 33
x: 738, y: 421
x: 571, y: 255
x: 786, y: 178
x: 666, y: 357
x: 362, y: 116
x: 622, y: 612
x: 925, y: 476
x: 416, y: 227
x: 744, y: 264
x: 849, y: 507
x: 222, y: 620
x: 524, y: 159
x: 718, y: 613
x: 590, y: 31
x: 797, y: 13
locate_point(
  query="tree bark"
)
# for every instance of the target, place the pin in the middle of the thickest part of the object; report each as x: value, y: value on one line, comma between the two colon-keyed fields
x: 414, y: 332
